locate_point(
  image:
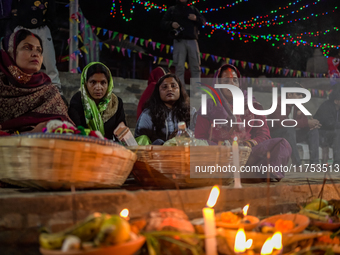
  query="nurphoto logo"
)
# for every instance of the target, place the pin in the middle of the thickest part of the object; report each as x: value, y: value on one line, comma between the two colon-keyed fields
x: 238, y: 104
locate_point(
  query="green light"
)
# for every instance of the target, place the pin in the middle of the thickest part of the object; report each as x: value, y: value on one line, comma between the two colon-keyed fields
x: 273, y: 44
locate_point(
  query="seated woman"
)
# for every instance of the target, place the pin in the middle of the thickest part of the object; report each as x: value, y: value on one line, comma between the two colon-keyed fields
x: 257, y: 138
x: 155, y: 75
x: 95, y: 106
x: 27, y: 97
x: 168, y: 105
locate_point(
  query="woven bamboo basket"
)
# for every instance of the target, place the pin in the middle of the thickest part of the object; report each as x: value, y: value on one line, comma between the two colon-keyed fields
x: 170, y: 166
x: 58, y: 162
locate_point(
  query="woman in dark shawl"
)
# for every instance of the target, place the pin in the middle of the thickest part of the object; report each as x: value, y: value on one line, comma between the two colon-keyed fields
x: 27, y: 97
x: 258, y: 138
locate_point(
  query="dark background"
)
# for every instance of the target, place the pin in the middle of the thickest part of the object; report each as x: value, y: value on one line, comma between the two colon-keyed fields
x: 146, y: 24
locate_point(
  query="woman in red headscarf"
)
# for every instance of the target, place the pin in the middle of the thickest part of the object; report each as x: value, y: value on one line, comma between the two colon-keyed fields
x: 256, y: 136
x: 155, y: 75
x: 27, y: 97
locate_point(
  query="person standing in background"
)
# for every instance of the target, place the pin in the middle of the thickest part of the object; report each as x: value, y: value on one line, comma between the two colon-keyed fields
x: 329, y: 115
x: 306, y: 130
x: 184, y: 22
x: 38, y: 17
x: 5, y: 15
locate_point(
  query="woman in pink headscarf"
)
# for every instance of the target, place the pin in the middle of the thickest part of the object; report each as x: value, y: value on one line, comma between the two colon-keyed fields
x: 155, y: 75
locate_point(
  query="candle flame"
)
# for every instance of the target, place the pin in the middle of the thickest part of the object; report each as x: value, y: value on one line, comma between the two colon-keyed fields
x: 267, y: 247
x: 124, y: 213
x: 235, y: 138
x: 245, y: 210
x: 249, y: 243
x: 214, y: 193
x: 240, y: 241
x: 277, y: 241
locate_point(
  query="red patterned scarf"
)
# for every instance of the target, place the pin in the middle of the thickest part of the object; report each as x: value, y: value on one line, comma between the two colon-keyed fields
x: 26, y: 100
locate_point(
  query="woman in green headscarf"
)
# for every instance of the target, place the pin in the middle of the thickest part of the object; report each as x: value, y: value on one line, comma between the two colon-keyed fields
x: 95, y: 106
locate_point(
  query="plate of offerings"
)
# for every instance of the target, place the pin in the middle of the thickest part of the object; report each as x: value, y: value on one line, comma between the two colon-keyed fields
x: 323, y: 214
x: 326, y: 225
x: 286, y: 223
x: 97, y: 234
x: 236, y: 219
x: 127, y: 248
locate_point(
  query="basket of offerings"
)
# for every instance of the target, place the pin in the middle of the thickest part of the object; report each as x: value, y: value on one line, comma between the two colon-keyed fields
x: 184, y: 167
x: 60, y: 161
x: 97, y: 234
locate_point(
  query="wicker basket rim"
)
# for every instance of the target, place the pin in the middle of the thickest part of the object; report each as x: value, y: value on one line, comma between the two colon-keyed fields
x: 69, y: 137
x: 21, y: 141
x: 184, y: 148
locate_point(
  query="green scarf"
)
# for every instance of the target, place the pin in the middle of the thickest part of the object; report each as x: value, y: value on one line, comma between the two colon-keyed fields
x: 93, y: 113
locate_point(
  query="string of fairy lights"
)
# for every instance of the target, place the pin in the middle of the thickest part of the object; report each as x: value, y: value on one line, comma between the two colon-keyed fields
x: 255, y: 23
x: 279, y: 18
x: 228, y: 5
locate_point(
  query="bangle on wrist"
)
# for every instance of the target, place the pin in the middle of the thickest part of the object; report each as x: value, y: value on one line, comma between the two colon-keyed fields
x: 252, y: 142
x: 248, y: 143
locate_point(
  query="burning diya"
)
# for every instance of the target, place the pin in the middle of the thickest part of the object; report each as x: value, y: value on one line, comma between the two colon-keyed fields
x: 236, y: 219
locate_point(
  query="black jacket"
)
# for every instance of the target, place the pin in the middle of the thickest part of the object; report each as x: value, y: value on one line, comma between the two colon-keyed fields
x: 76, y: 113
x: 33, y: 14
x: 5, y: 9
x: 179, y: 13
x: 328, y: 116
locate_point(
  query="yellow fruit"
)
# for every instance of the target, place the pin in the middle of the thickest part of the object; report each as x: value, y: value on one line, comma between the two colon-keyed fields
x: 315, y: 215
x: 315, y: 204
x: 323, y: 202
x: 267, y: 229
x: 328, y: 209
x: 51, y: 241
x: 86, y: 230
x: 114, y: 230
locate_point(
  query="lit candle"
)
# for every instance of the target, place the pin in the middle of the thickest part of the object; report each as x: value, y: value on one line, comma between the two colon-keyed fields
x: 274, y: 242
x: 245, y: 210
x: 241, y: 243
x: 277, y: 242
x: 209, y: 223
x: 267, y: 247
x: 125, y: 214
x: 236, y: 163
